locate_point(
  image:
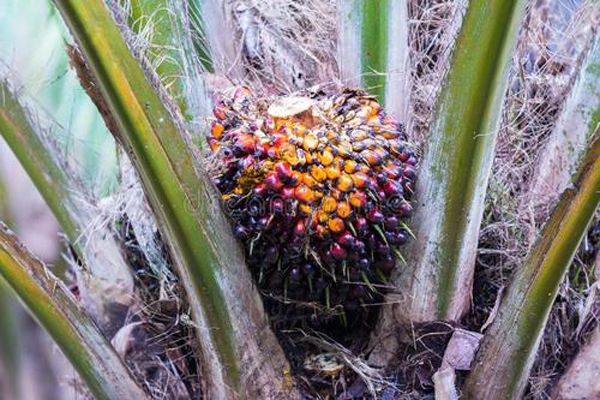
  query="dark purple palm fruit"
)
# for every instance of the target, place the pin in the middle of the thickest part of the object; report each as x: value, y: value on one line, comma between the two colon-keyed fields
x: 318, y: 190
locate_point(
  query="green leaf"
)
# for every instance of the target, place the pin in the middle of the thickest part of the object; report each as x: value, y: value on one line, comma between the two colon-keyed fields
x: 54, y: 307
x: 456, y: 166
x: 211, y: 266
x: 508, y: 349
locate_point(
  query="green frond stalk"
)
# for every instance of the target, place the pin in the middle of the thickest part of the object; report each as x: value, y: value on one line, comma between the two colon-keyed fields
x: 212, y: 21
x: 374, y: 46
x: 507, y: 352
x: 378, y: 31
x: 226, y: 309
x: 9, y: 335
x: 176, y: 50
x: 198, y: 29
x: 158, y: 20
x: 50, y: 302
x: 576, y: 124
x: 99, y: 252
x: 41, y: 166
x: 457, y: 164
x: 9, y: 341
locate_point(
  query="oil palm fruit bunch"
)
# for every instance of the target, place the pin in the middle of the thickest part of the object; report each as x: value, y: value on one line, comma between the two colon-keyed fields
x: 317, y: 187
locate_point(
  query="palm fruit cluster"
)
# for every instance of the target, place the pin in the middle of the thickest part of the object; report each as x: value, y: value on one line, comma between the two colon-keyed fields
x: 317, y: 187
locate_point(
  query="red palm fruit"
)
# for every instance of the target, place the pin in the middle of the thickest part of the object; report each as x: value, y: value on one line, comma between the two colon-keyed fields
x: 410, y: 172
x: 220, y: 111
x: 300, y: 227
x: 260, y: 189
x: 350, y: 166
x: 295, y: 275
x: 386, y: 264
x: 308, y: 269
x: 279, y: 139
x: 361, y: 225
x: 321, y: 217
x: 273, y: 152
x: 304, y: 194
x: 401, y: 237
x: 245, y: 143
x: 336, y: 225
x: 213, y: 144
x: 277, y: 205
x: 347, y: 240
x: 241, y: 232
x: 283, y: 169
x: 358, y: 291
x: 325, y: 158
x: 318, y: 173
x: 392, y: 171
x: 345, y: 183
x: 343, y: 210
x: 288, y: 193
x: 391, y: 187
x: 217, y: 130
x: 364, y: 263
x: 371, y: 157
x: 405, y: 209
x: 391, y: 222
x: 338, y: 252
x: 375, y: 216
x: 310, y: 142
x: 271, y: 255
x: 295, y: 178
x: 304, y: 209
x: 246, y: 162
x: 333, y: 172
x: 308, y: 180
x: 357, y: 199
x: 322, y: 232
x: 360, y: 180
x: 273, y: 182
x: 359, y: 247
x: 328, y: 204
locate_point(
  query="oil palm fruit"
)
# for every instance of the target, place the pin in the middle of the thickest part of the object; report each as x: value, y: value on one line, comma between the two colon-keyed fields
x: 317, y: 188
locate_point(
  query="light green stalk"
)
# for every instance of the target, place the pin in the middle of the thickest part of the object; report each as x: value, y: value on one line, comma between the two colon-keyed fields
x: 159, y: 21
x: 373, y: 50
x: 177, y: 52
x: 231, y: 324
x: 374, y: 46
x: 97, y: 249
x: 507, y: 352
x: 50, y: 302
x: 576, y: 124
x: 9, y: 335
x: 41, y: 166
x: 455, y: 169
